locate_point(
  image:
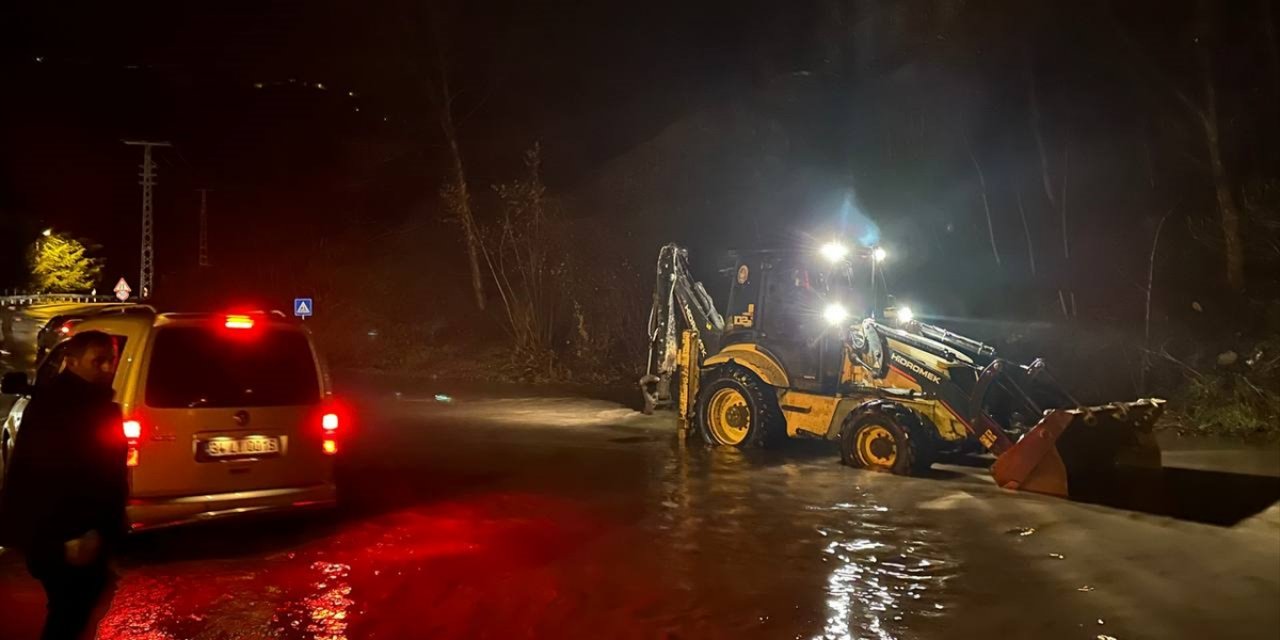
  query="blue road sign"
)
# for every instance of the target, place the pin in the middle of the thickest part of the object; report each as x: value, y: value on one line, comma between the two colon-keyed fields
x: 303, y: 308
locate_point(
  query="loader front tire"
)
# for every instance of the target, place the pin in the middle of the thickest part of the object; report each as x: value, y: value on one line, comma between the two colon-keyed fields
x: 737, y: 409
x: 887, y: 438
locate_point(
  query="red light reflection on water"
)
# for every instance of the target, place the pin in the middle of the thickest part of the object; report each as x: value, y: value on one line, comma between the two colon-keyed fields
x: 139, y: 606
x: 327, y: 607
x: 490, y: 563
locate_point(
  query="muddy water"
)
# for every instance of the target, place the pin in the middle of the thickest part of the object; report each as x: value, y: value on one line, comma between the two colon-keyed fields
x: 460, y: 529
x: 847, y: 565
x: 552, y: 518
x: 478, y: 516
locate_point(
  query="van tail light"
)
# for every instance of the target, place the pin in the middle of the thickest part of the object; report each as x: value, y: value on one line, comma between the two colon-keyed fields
x: 238, y: 321
x: 132, y: 433
x: 332, y: 423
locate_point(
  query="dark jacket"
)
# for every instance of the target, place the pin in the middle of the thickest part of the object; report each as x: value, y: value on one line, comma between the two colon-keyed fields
x: 67, y: 474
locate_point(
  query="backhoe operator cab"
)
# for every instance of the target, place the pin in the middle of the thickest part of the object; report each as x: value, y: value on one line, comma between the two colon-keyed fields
x: 790, y: 358
x: 790, y: 319
x: 793, y: 310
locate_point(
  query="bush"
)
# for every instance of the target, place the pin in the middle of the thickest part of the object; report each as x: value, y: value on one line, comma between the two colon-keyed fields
x: 572, y: 309
x: 1239, y: 398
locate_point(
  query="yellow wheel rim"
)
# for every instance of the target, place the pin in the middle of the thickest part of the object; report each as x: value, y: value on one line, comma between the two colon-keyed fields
x: 877, y: 447
x: 729, y: 416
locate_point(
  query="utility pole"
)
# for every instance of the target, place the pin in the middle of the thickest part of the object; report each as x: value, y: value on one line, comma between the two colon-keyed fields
x: 204, y: 227
x: 146, y: 273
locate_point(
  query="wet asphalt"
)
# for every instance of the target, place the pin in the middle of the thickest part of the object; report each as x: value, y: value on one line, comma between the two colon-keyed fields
x: 509, y: 514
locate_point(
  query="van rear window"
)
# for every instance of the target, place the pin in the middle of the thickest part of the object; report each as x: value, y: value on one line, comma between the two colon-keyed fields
x: 207, y: 367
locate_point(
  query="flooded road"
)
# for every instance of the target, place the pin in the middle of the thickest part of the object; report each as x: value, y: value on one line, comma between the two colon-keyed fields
x: 476, y: 516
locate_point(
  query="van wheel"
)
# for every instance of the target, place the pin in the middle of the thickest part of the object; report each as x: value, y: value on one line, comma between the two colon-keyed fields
x: 888, y: 438
x: 736, y: 409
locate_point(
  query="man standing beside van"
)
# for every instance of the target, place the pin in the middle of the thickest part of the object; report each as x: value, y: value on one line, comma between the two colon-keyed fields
x: 64, y: 498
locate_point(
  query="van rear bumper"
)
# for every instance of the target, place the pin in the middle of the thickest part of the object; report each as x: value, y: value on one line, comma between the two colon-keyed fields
x: 155, y: 513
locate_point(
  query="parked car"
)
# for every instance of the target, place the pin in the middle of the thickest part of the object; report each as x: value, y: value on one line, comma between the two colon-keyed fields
x: 53, y: 331
x: 60, y: 327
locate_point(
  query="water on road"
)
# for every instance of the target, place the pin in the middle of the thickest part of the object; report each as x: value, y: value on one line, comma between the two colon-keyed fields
x: 492, y: 516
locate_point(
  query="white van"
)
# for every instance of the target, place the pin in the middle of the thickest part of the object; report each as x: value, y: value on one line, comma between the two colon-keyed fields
x: 225, y: 414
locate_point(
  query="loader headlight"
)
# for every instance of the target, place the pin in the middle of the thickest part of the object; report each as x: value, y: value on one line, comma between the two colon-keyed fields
x: 835, y: 314
x: 905, y: 315
x: 879, y: 254
x: 834, y: 252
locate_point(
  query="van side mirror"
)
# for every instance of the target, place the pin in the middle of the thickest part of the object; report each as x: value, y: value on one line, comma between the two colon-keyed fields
x: 15, y: 383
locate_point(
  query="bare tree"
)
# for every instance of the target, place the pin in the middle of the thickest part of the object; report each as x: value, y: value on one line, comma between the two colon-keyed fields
x: 1066, y: 238
x: 986, y: 204
x: 1204, y: 112
x: 1057, y: 200
x: 455, y: 192
x: 1146, y: 322
x: 1033, y: 113
x: 1208, y: 116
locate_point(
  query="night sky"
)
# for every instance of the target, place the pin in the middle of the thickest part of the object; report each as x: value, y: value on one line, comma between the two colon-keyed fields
x: 717, y: 124
x: 80, y: 78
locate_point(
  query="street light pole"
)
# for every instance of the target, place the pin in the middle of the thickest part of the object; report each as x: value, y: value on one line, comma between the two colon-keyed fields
x: 147, y: 268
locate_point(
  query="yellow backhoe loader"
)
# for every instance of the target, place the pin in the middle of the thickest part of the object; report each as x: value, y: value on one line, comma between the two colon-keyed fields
x: 787, y: 359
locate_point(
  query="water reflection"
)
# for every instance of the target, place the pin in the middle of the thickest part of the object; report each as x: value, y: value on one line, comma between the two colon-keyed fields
x: 846, y: 565
x: 140, y: 606
x: 329, y: 605
x: 884, y: 574
x: 661, y: 539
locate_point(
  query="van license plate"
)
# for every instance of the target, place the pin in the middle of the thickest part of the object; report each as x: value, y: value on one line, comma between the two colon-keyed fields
x: 251, y: 447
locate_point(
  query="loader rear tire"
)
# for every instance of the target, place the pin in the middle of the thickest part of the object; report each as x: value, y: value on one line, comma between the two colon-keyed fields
x: 888, y: 438
x: 737, y: 409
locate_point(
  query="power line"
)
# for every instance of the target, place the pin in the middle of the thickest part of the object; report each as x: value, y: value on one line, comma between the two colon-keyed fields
x: 146, y: 275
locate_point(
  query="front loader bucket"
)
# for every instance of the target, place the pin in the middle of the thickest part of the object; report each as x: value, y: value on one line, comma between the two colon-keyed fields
x: 1080, y: 453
